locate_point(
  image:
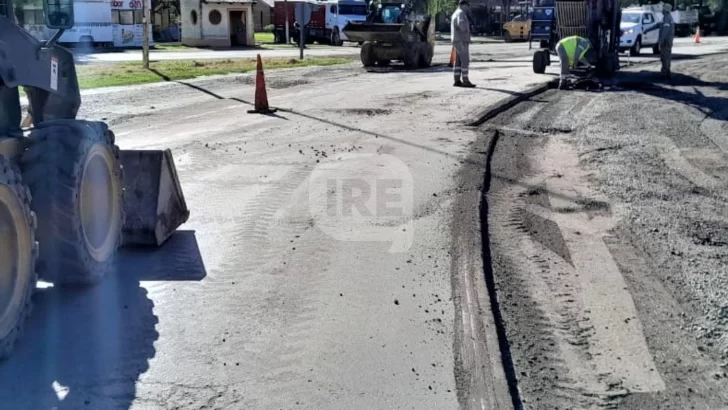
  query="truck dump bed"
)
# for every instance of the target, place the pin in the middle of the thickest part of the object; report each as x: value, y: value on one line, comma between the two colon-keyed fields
x: 380, y: 32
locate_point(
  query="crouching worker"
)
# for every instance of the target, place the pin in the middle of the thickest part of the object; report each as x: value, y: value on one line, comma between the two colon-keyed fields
x: 572, y: 53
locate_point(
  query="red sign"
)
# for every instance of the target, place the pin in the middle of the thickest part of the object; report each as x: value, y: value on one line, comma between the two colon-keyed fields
x: 133, y: 4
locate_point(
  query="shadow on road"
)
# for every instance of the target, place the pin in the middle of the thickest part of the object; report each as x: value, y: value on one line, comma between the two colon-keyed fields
x: 86, y: 348
x: 653, y: 84
x: 400, y: 68
x: 212, y: 94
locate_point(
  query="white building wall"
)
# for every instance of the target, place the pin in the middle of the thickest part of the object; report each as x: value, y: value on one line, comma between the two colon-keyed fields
x: 219, y: 31
x: 190, y: 31
x: 204, y: 33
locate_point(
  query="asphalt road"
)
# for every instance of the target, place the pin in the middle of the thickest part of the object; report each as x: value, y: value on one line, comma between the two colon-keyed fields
x: 442, y: 49
x: 268, y: 297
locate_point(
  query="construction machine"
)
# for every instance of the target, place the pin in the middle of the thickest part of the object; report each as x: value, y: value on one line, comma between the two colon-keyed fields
x: 519, y: 28
x: 596, y: 20
x: 69, y: 198
x: 395, y: 30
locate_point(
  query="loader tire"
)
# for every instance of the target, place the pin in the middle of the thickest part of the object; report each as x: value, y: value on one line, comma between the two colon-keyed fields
x: 75, y: 176
x: 367, y: 55
x: 426, y: 54
x: 18, y: 253
x: 412, y: 57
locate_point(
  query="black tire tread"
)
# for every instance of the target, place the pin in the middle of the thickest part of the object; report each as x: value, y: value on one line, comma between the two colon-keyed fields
x: 539, y: 62
x: 52, y: 168
x: 10, y: 175
x: 367, y: 55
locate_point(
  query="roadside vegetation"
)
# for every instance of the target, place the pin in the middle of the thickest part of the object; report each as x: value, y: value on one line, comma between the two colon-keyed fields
x: 266, y: 37
x: 96, y: 76
x: 174, y: 47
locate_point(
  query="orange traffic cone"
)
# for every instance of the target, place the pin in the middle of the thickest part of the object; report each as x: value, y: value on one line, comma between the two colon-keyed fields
x: 261, y: 96
x: 697, y: 35
x: 452, y: 57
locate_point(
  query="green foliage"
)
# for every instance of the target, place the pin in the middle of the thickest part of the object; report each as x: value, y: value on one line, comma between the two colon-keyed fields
x: 269, y: 28
x: 435, y: 7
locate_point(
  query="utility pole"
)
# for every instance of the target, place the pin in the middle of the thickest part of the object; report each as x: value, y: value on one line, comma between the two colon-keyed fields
x: 285, y: 7
x: 145, y: 34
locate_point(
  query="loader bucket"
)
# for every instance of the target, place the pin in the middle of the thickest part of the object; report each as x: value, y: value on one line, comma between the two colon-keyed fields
x: 381, y: 32
x: 154, y: 206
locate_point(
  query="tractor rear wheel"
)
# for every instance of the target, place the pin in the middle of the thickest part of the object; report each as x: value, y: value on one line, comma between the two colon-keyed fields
x: 18, y: 252
x: 75, y: 177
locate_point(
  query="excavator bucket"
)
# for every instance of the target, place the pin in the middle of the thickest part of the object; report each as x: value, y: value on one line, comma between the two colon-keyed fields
x: 154, y: 206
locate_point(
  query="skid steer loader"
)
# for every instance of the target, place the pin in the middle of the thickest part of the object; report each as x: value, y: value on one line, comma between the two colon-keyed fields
x: 395, y: 30
x: 69, y: 198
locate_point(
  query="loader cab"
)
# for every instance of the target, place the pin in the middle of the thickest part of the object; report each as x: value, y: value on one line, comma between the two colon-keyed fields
x: 58, y: 14
x: 391, y: 13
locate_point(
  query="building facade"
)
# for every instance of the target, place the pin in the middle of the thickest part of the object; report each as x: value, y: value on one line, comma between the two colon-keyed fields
x: 262, y: 14
x: 217, y: 23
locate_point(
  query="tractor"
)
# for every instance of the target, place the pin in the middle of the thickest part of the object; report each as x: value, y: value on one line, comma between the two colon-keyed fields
x: 69, y: 198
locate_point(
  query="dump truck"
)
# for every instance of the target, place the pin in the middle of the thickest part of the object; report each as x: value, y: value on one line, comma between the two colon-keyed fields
x: 596, y: 20
x: 395, y: 31
x: 69, y: 197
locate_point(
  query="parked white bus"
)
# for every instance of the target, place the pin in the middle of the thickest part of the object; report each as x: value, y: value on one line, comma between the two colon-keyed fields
x: 99, y: 23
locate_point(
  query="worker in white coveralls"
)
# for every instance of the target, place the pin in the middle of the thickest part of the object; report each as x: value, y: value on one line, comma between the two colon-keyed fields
x: 460, y: 36
x: 572, y: 53
x: 667, y: 35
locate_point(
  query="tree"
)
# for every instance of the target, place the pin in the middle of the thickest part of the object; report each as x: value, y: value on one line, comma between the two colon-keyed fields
x: 435, y: 7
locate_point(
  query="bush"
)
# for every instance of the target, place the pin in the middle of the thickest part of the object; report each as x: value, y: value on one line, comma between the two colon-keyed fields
x: 269, y: 28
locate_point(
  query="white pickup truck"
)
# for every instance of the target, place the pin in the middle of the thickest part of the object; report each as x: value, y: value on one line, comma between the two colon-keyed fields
x: 640, y: 26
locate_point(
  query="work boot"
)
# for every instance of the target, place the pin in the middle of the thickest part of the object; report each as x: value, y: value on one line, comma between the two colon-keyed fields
x: 468, y: 84
x: 458, y: 83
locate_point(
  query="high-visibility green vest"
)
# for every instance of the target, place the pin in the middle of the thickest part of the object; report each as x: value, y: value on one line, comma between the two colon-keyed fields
x: 575, y: 46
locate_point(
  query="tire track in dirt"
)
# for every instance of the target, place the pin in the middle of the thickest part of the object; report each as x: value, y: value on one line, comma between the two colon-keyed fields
x: 267, y: 239
x: 619, y: 344
x: 578, y: 361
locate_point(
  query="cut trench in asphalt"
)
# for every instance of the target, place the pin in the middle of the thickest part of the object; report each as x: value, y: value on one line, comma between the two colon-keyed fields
x: 484, y: 373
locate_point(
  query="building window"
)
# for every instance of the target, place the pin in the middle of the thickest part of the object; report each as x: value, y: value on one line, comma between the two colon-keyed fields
x: 215, y: 17
x: 127, y: 17
x: 193, y: 16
